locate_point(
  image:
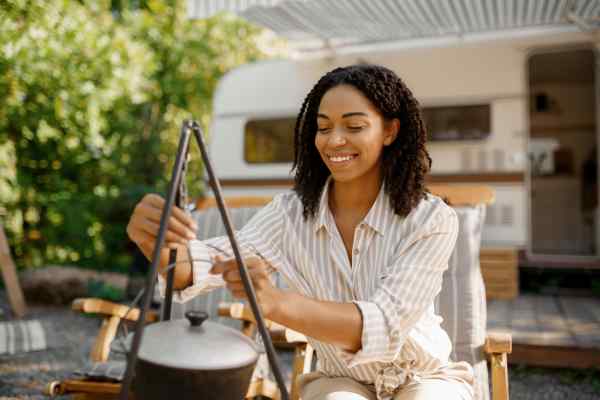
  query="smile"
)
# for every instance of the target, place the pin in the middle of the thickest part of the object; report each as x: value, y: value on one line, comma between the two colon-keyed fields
x: 341, y: 158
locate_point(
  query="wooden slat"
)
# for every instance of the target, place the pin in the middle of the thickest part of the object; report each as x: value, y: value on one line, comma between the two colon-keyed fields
x: 581, y: 322
x: 544, y: 334
x: 524, y: 322
x: 463, y: 195
x: 499, y: 272
x: 99, y: 306
x: 499, y: 269
x: 108, y: 331
x: 496, y: 343
x: 554, y: 356
x: 592, y: 305
x: 499, y: 369
x: 501, y: 292
x: 499, y: 253
x: 234, y: 202
x: 553, y: 328
x: 303, y: 355
x: 11, y: 280
x: 456, y: 195
x: 70, y: 386
x: 262, y: 387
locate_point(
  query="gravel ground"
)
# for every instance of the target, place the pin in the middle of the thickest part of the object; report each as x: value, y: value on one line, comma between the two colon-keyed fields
x: 25, y: 376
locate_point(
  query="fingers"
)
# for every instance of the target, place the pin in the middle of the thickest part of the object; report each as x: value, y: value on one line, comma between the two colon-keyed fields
x: 146, y: 220
x: 222, y: 265
x: 148, y: 230
x: 177, y: 230
x: 176, y: 212
x: 228, y: 268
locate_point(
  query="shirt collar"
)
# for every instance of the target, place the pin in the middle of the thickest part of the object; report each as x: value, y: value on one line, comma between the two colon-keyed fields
x: 377, y: 217
x: 379, y: 214
x: 323, y: 206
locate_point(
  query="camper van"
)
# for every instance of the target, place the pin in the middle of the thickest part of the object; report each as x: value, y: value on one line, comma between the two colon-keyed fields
x: 517, y: 112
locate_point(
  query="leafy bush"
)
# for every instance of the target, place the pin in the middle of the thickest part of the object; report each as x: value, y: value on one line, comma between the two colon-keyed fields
x: 91, y: 103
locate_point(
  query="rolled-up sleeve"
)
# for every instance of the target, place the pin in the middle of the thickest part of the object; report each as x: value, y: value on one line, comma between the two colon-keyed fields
x: 202, y: 280
x: 262, y: 236
x: 407, y: 288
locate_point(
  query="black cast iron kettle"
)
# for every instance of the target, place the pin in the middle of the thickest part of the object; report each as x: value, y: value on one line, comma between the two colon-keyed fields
x: 194, y: 359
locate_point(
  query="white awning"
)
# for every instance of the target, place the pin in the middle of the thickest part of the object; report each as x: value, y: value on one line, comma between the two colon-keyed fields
x: 360, y: 21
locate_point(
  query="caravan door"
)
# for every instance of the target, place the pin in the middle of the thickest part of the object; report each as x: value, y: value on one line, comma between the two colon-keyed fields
x: 563, y: 153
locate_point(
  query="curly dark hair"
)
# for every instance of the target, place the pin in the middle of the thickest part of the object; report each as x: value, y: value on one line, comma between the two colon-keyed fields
x: 405, y: 162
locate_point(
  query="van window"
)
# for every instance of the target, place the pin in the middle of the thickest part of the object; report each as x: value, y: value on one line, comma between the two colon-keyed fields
x: 272, y: 140
x: 472, y: 122
x: 269, y: 140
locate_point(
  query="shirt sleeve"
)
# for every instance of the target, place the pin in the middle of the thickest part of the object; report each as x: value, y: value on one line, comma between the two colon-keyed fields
x: 408, y: 287
x: 262, y: 236
x: 202, y: 281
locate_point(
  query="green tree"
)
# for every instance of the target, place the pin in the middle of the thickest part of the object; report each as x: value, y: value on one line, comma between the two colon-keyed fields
x: 91, y: 100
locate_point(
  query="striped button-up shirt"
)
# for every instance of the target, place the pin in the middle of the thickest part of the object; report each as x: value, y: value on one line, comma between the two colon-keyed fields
x: 393, y: 276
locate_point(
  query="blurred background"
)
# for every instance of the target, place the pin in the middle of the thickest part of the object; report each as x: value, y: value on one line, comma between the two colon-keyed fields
x: 92, y: 97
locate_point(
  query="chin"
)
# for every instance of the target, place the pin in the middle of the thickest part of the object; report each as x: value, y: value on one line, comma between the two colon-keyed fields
x: 344, y: 177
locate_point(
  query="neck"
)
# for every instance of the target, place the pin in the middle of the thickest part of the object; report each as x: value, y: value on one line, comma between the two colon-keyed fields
x: 354, y: 197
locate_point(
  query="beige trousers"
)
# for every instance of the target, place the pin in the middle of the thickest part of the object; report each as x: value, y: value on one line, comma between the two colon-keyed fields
x: 315, y: 386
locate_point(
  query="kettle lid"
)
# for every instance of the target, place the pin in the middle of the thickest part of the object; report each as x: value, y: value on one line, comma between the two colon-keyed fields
x: 196, y: 344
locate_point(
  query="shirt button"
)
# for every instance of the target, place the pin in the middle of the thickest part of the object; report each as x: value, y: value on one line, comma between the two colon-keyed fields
x: 356, y: 251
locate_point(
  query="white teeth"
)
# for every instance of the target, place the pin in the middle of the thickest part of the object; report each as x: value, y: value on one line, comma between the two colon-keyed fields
x: 340, y: 159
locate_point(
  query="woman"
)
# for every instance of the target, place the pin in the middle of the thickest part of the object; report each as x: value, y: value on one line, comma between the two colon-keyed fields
x: 360, y: 242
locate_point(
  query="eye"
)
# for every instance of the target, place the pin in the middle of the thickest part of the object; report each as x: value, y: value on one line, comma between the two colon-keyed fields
x: 355, y: 128
x: 323, y: 130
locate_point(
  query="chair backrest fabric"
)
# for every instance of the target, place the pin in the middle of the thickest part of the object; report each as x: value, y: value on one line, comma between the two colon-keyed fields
x: 461, y: 302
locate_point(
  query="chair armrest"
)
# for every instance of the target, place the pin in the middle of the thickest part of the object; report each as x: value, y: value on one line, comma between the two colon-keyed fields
x: 496, y: 347
x: 108, y: 308
x: 113, y: 314
x: 236, y: 311
x: 292, y: 336
x: 242, y: 312
x: 280, y: 335
x: 496, y: 343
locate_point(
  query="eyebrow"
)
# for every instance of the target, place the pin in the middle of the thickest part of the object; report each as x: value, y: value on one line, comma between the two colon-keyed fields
x: 351, y: 114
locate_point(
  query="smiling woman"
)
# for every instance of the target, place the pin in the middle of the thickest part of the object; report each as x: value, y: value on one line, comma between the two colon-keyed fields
x: 377, y: 107
x: 359, y: 241
x: 350, y: 143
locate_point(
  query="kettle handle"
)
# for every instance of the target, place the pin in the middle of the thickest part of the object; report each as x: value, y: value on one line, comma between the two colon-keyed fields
x: 196, y: 318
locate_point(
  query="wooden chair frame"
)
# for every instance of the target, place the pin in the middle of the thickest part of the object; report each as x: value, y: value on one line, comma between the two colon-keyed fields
x: 113, y: 314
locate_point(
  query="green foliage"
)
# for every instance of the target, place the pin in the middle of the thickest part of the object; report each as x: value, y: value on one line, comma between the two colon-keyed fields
x: 92, y: 95
x: 103, y: 290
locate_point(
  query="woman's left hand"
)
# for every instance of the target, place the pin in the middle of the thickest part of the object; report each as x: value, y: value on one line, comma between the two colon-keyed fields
x: 259, y: 270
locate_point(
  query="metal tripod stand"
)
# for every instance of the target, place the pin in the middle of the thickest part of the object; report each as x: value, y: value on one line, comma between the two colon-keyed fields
x: 174, y: 197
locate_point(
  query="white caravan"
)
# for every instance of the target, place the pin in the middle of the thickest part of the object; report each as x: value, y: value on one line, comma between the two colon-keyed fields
x: 517, y: 112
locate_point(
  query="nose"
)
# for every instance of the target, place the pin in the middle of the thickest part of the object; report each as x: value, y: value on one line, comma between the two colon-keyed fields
x: 337, y: 138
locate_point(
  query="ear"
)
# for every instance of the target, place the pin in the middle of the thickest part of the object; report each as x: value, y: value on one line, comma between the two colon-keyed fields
x: 391, y: 131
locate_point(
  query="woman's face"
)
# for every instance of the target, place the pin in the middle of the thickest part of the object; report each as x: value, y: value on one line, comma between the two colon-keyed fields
x: 351, y: 134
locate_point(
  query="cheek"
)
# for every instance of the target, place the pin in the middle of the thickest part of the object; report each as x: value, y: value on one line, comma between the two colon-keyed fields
x: 374, y: 146
x: 319, y: 142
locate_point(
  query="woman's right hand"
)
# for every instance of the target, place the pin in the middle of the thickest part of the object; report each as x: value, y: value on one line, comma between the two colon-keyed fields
x: 144, y: 224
